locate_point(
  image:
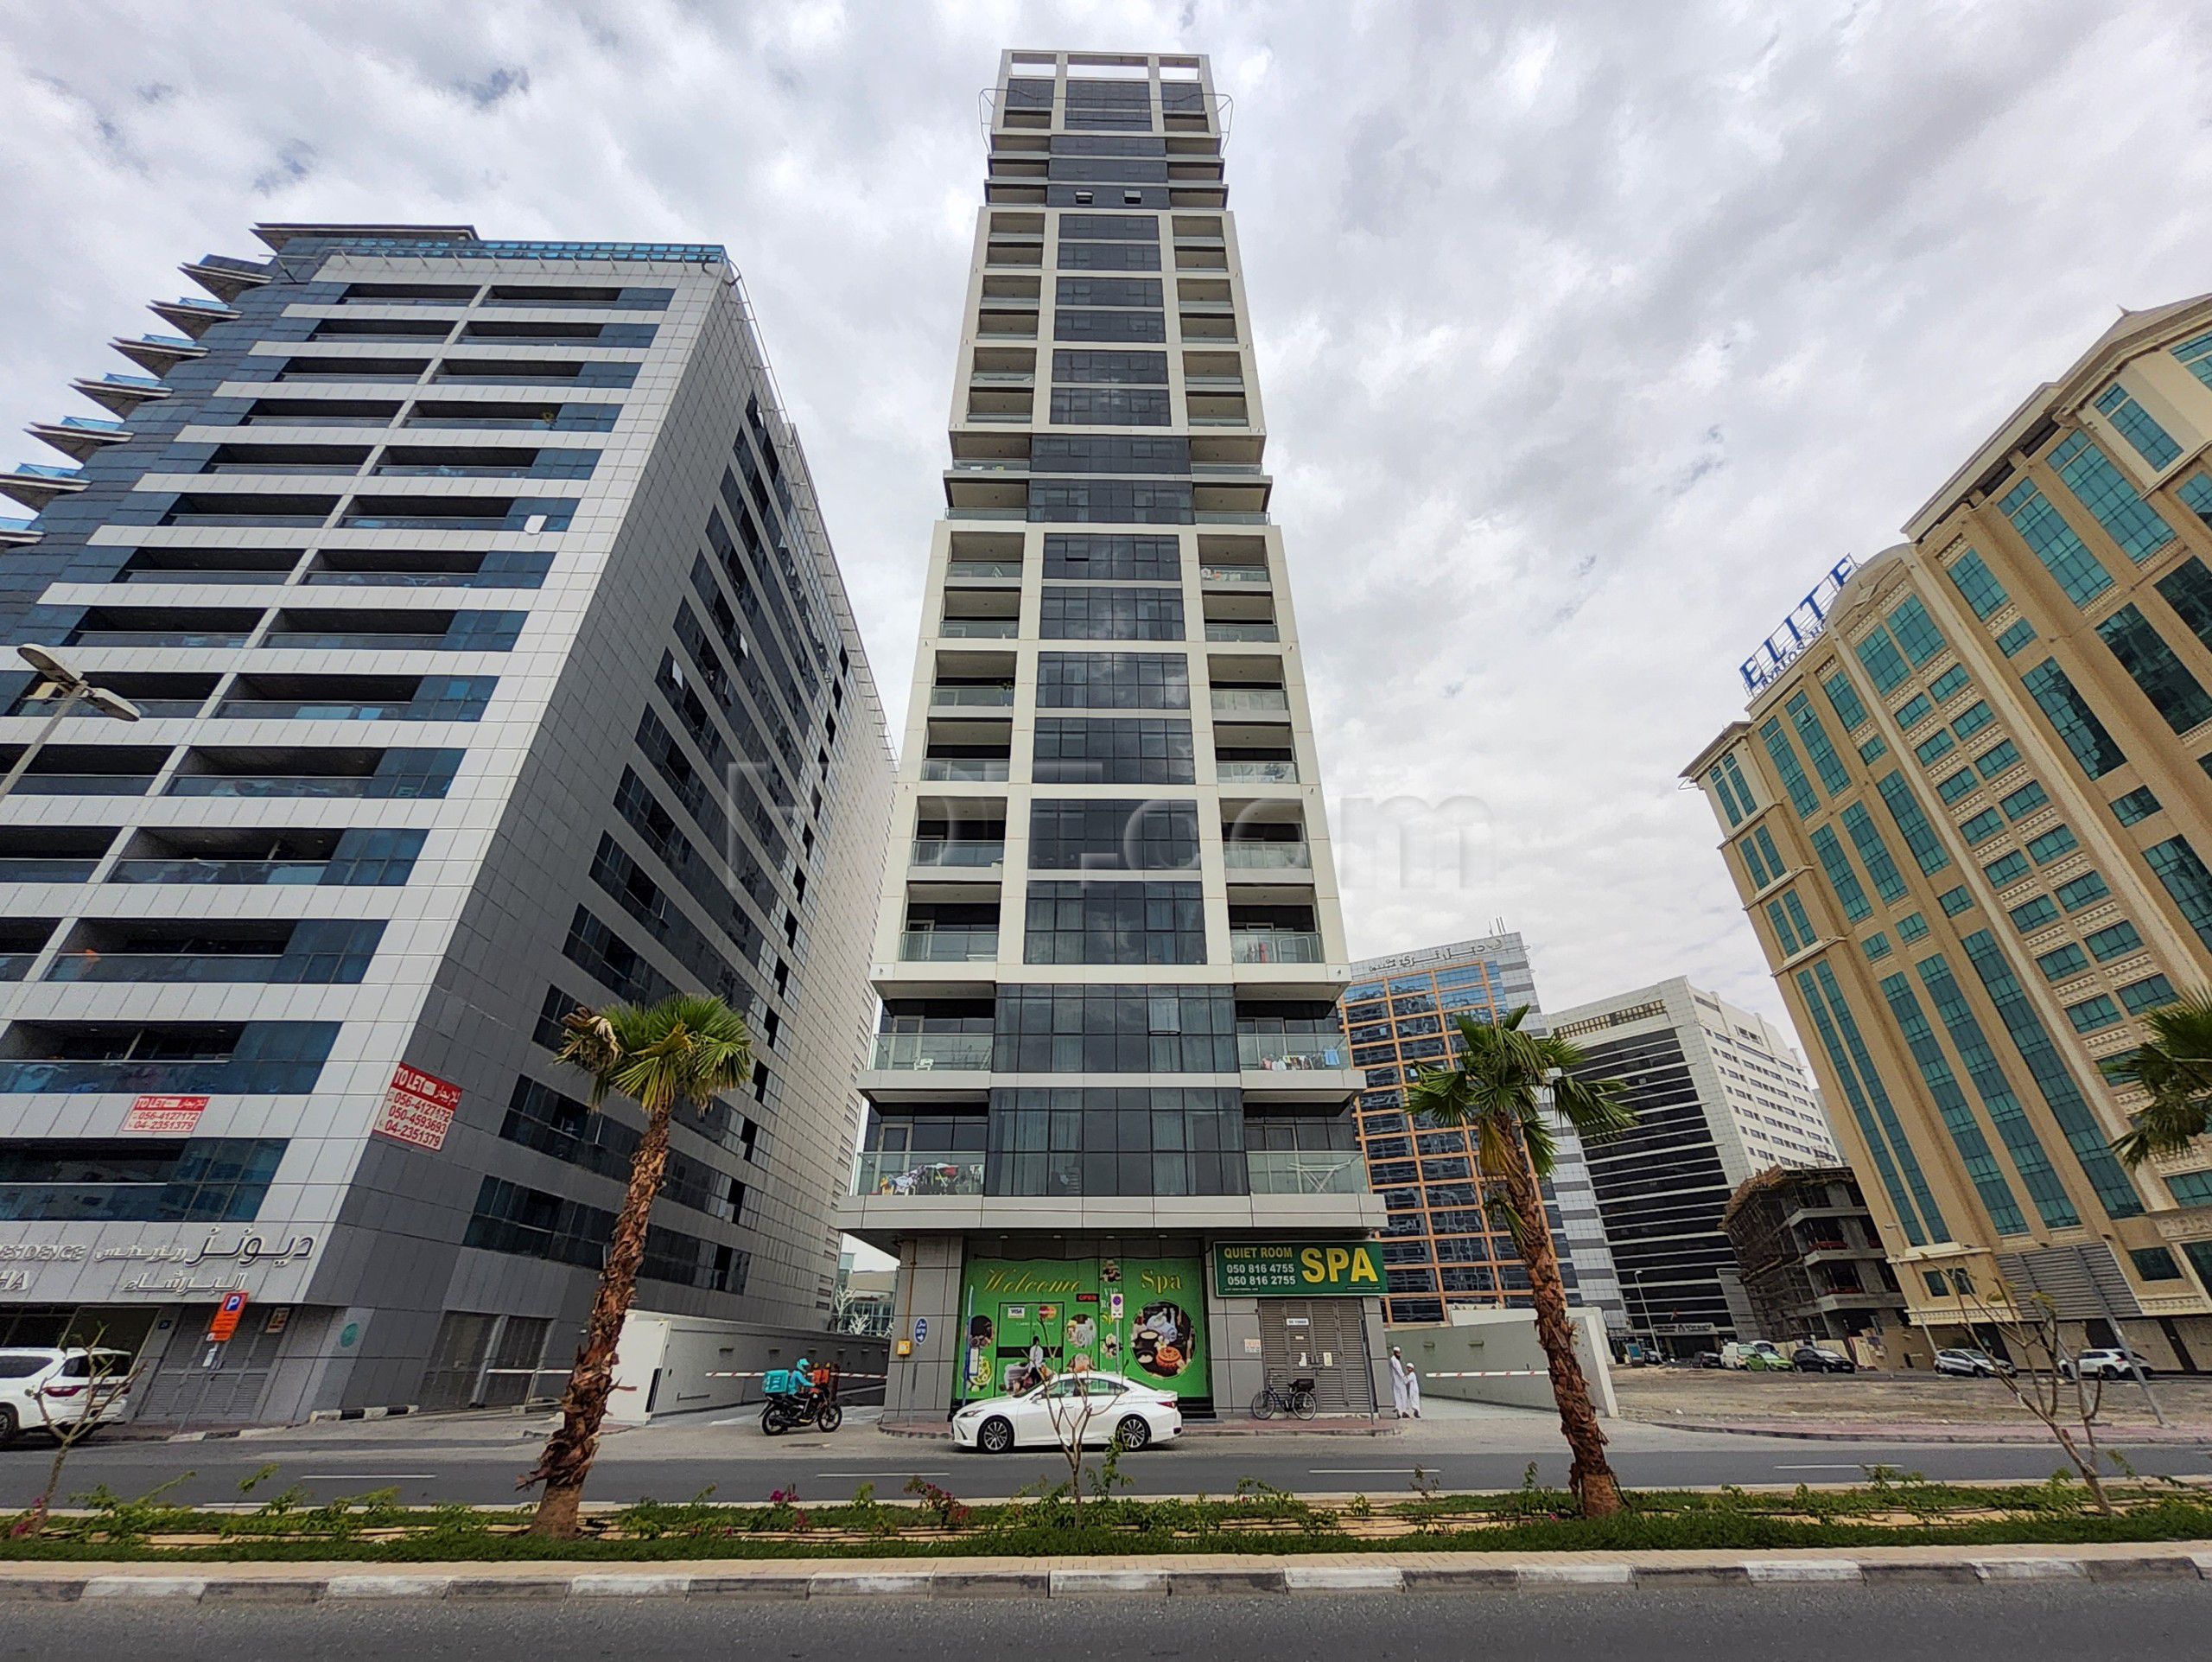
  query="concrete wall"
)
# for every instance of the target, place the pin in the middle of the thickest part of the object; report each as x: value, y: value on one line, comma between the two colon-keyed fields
x: 667, y: 1364
x: 1493, y: 1341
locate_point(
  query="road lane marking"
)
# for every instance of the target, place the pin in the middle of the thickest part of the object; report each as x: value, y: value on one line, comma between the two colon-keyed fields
x: 1359, y: 1471
x: 1846, y: 1466
x: 901, y: 1473
x: 368, y: 1477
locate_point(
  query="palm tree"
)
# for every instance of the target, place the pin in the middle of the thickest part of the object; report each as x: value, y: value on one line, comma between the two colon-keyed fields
x: 1496, y: 1092
x: 2175, y: 1065
x: 686, y: 1049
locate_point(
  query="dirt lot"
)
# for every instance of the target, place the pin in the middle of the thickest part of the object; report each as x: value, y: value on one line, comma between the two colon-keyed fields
x: 1703, y: 1396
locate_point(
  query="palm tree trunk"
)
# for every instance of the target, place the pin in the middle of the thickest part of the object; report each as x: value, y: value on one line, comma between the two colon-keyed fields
x: 569, y: 1451
x: 1596, y: 1489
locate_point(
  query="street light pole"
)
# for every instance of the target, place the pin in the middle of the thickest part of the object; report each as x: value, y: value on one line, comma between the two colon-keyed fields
x: 75, y: 690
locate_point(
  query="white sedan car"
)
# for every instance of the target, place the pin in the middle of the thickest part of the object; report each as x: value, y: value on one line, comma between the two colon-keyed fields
x: 1097, y: 1407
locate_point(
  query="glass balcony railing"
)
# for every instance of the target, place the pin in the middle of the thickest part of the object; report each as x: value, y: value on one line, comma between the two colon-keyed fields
x: 300, y: 872
x: 372, y: 639
x: 980, y: 570
x: 323, y: 785
x: 1273, y: 946
x: 925, y: 1051
x: 30, y: 868
x: 1291, y: 1052
x: 1266, y: 699
x: 971, y: 698
x: 1256, y: 772
x: 1217, y: 631
x: 1245, y: 574
x: 81, y: 1077
x: 948, y: 945
x: 316, y: 709
x: 1266, y: 857
x: 974, y: 853
x: 149, y: 707
x: 159, y: 637
x: 84, y: 784
x: 14, y: 966
x: 969, y: 768
x: 231, y: 967
x: 978, y: 628
x: 903, y: 1171
x: 1283, y: 1171
x: 93, y: 424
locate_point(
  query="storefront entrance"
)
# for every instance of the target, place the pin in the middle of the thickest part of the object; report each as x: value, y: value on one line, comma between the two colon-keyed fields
x: 1324, y: 1340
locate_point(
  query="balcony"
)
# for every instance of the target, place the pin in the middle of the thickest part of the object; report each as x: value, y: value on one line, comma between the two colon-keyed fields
x: 299, y: 872
x: 1291, y: 1052
x: 226, y: 278
x: 978, y: 628
x: 948, y: 945
x: 193, y: 315
x: 907, y: 1172
x: 971, y: 698
x: 158, y: 353
x: 1248, y: 856
x: 976, y: 854
x: 1217, y: 630
x: 1285, y: 1171
x: 1275, y: 946
x: 87, y: 1077
x: 982, y: 571
x: 970, y: 770
x: 970, y: 1052
x: 1256, y: 772
x: 18, y: 533
x: 1263, y: 701
x: 199, y: 968
x: 80, y: 437
x: 34, y: 869
x: 1254, y: 575
x: 37, y: 486
x: 266, y: 785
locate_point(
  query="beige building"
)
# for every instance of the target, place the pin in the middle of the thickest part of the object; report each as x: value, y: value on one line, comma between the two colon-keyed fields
x: 1109, y: 1086
x: 1967, y: 813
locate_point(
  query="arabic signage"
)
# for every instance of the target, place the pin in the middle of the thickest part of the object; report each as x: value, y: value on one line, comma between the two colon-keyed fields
x: 1297, y: 1269
x: 418, y: 1109
x: 171, y: 1114
x: 1799, y: 629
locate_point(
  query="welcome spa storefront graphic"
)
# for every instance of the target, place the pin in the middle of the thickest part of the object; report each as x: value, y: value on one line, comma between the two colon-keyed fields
x: 1143, y: 1317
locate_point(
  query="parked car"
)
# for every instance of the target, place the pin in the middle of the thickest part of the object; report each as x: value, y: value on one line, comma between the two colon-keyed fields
x: 49, y: 1390
x: 1117, y: 1410
x: 2118, y: 1363
x: 1707, y: 1359
x: 1970, y: 1364
x: 1818, y: 1359
x: 1756, y: 1355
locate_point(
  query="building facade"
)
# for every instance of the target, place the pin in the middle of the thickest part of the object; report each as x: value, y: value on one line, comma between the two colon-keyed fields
x: 1718, y: 1093
x: 1440, y: 1246
x: 1812, y: 1264
x: 491, y: 660
x: 1110, y: 1101
x: 1968, y: 814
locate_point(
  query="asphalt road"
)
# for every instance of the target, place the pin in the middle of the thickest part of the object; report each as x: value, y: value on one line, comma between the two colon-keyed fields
x: 675, y: 1461
x: 2145, y: 1622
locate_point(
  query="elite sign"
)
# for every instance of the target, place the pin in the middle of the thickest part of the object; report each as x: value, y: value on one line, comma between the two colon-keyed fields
x: 1297, y: 1269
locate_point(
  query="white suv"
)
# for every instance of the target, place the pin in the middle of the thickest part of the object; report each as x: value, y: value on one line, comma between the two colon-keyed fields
x: 46, y: 1390
x: 2107, y: 1365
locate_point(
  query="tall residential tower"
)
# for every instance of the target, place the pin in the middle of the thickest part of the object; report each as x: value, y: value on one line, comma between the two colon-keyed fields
x: 1968, y: 816
x: 490, y: 660
x: 1110, y: 1107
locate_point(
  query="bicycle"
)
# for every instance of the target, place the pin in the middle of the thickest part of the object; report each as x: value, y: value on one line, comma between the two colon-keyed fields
x: 1295, y: 1399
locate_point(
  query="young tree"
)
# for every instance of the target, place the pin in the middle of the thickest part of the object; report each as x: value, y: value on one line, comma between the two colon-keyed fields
x: 2044, y: 1380
x: 1496, y: 1091
x: 687, y: 1048
x: 2175, y: 1065
x: 109, y: 1377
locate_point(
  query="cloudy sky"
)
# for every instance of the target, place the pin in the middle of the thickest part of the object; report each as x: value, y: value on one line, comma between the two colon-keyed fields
x: 1590, y: 334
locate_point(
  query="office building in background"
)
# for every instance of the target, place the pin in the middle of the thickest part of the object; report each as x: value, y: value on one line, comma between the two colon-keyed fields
x: 1441, y: 1248
x: 491, y: 660
x: 1718, y: 1093
x: 1968, y: 814
x: 1110, y: 1104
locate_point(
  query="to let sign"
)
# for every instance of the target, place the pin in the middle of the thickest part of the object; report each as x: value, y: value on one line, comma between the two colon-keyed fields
x: 1297, y: 1269
x: 418, y: 1109
x: 165, y: 1114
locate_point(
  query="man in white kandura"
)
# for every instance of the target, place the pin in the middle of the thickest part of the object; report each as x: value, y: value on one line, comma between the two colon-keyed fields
x: 1405, y: 1386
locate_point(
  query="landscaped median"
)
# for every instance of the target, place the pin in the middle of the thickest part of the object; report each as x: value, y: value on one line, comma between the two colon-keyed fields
x: 1888, y: 1515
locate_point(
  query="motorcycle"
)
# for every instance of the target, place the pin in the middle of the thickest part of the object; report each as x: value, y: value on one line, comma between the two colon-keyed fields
x: 795, y: 1400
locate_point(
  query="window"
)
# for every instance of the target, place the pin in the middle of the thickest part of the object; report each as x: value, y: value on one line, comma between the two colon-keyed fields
x: 1110, y: 406
x: 1915, y: 631
x: 1826, y: 762
x: 1110, y: 502
x: 1107, y: 291
x: 2065, y: 962
x: 1765, y: 843
x: 1108, y: 326
x: 1971, y: 720
x: 2165, y: 680
x: 1843, y: 699
x: 1983, y: 826
x: 1108, y: 835
x: 1850, y: 895
x: 1919, y: 835
x: 1977, y: 584
x: 1915, y: 710
x: 2104, y: 490
x: 2051, y: 540
x: 2070, y: 717
x: 1802, y: 794
x: 1942, y: 1085
x: 2187, y: 589
x: 1955, y: 901
x: 1877, y: 945
x: 2018, y: 635
x: 2154, y: 1264
x: 2078, y: 892
x: 2006, y: 870
x: 2114, y: 941
x: 2197, y: 354
x: 1115, y: 750
x: 2037, y: 913
x: 2139, y: 427
x: 2148, y: 994
x: 1951, y: 683
x: 1116, y: 368
x: 1874, y: 853
x: 1755, y: 862
x: 1874, y: 748
x: 1113, y: 923
x: 1879, y: 657
x: 1936, y: 748
x: 1110, y: 614
x: 1147, y: 1029
x: 2137, y: 804
x: 2178, y: 866
x: 2092, y: 1014
x: 1911, y: 926
x: 1112, y: 681
x: 1960, y: 784
x: 2059, y: 839
x: 1991, y: 763
x: 2024, y: 801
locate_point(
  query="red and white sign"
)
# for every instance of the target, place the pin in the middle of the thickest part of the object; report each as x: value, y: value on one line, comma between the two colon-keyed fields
x: 418, y: 1109
x: 165, y: 1114
x: 225, y: 1321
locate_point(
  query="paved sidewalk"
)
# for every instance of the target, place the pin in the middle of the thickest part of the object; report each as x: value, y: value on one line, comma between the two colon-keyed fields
x: 1244, y: 1575
x: 1905, y: 1431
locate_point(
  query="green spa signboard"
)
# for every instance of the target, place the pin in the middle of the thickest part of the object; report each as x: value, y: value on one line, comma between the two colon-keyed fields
x: 1297, y: 1269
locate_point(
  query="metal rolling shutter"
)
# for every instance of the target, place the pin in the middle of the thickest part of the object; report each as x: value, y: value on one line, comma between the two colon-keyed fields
x: 1296, y: 1333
